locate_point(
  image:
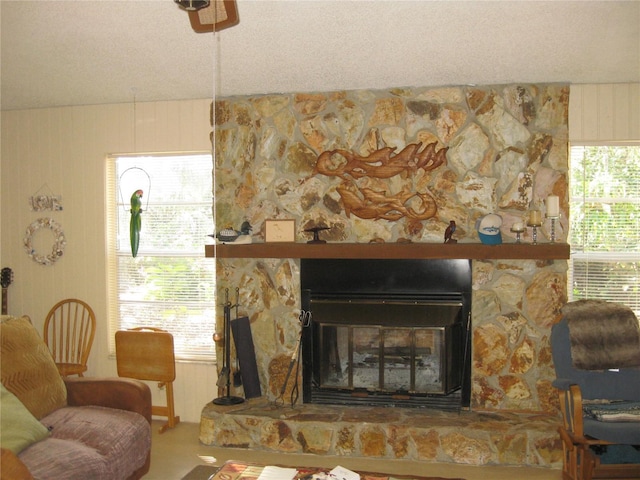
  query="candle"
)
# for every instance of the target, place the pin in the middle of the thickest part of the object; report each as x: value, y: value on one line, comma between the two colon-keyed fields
x: 553, y: 206
x: 535, y: 217
x: 518, y: 227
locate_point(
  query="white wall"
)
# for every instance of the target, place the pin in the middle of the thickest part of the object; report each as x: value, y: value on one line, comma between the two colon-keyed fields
x: 62, y: 151
x: 604, y: 112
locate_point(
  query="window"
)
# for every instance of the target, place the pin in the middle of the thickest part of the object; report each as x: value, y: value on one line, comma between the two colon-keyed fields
x: 169, y: 284
x: 605, y: 224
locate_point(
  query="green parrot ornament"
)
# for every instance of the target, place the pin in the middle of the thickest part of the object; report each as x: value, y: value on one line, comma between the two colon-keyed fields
x: 136, y: 221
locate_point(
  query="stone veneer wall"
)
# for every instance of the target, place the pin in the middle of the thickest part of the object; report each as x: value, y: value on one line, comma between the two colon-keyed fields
x: 507, y: 150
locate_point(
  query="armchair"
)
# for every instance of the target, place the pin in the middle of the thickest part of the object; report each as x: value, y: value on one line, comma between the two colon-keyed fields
x: 55, y: 427
x: 596, y: 354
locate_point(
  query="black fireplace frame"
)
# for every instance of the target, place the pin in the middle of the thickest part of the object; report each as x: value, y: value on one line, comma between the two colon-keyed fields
x: 437, y: 280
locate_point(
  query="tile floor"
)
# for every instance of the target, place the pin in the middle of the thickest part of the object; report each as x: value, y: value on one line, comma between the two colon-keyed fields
x: 175, y: 452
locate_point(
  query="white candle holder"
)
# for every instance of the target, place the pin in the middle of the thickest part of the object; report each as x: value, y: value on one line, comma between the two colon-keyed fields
x: 534, y: 232
x: 518, y: 232
x: 553, y: 227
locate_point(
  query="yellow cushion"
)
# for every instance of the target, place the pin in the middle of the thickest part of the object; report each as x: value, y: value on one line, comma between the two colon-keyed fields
x: 27, y: 368
x: 18, y: 428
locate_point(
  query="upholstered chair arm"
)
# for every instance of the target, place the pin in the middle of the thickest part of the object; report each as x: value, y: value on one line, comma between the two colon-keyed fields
x: 563, y: 383
x: 122, y: 393
x: 12, y: 468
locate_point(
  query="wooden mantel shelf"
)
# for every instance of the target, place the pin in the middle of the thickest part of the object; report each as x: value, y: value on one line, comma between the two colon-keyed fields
x: 473, y: 251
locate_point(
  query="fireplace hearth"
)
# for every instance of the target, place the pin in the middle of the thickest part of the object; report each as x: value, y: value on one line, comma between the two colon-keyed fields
x: 387, y: 332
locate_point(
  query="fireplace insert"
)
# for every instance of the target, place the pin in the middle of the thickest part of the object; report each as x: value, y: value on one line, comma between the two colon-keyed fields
x: 387, y: 332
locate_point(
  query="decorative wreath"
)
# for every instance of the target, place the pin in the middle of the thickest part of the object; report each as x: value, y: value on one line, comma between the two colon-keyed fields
x: 58, y: 247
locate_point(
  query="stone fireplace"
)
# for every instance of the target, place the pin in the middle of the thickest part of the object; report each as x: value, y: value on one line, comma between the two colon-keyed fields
x: 507, y: 151
x: 386, y: 332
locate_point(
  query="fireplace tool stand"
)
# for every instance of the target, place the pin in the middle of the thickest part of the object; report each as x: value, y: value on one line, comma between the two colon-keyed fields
x: 465, y: 357
x: 305, y: 321
x: 225, y: 374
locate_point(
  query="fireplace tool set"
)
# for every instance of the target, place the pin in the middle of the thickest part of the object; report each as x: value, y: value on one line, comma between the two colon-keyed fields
x: 305, y: 321
x: 225, y: 374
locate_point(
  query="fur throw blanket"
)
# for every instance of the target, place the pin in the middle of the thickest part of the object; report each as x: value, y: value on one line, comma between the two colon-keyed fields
x: 603, y: 335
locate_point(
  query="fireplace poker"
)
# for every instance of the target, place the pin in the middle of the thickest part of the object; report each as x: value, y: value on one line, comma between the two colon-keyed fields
x: 237, y: 375
x: 224, y: 371
x: 305, y: 321
x: 294, y: 390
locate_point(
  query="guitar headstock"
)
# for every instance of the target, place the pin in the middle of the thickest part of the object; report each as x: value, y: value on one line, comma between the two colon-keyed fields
x: 6, y: 277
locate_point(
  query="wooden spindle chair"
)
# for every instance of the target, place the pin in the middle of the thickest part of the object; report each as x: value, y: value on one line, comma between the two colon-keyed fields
x: 69, y: 330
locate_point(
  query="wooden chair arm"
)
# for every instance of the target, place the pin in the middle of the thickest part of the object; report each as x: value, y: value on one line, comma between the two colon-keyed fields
x: 566, y: 438
x: 12, y: 467
x: 123, y: 393
x: 575, y: 398
x: 571, y: 408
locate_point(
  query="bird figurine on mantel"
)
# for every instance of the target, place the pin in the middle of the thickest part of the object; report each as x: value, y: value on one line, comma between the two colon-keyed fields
x: 229, y: 235
x: 315, y: 231
x: 448, y: 233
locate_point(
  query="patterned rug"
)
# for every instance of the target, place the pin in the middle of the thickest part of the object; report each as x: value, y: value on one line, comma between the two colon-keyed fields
x: 233, y: 470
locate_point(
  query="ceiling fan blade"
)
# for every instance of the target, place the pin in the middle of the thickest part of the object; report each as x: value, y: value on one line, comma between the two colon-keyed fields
x: 192, y: 4
x: 220, y: 14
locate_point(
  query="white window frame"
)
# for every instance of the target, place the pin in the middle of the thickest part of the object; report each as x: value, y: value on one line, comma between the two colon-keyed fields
x: 117, y: 201
x: 578, y: 254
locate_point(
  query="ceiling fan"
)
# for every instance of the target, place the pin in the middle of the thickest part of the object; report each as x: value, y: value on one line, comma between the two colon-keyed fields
x: 210, y: 15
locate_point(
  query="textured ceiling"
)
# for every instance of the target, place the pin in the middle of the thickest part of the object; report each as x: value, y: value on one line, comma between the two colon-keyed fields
x: 78, y: 52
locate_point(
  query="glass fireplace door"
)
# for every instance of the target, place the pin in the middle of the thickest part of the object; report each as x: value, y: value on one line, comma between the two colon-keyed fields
x: 374, y: 358
x: 383, y: 346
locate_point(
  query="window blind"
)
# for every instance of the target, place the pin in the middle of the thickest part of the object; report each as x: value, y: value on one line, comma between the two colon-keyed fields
x: 169, y: 284
x: 605, y: 224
